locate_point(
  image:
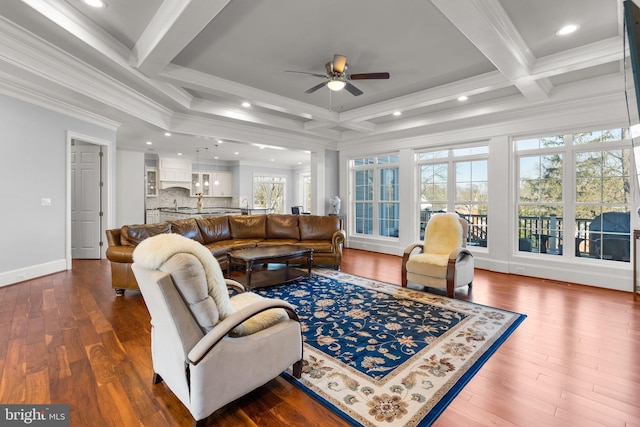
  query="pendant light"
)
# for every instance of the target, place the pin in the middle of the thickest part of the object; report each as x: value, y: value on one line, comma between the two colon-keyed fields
x: 197, y: 165
x: 206, y: 159
x: 215, y: 164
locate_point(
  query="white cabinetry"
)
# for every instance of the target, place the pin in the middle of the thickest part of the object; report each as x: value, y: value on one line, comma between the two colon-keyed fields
x: 153, y: 216
x: 175, y: 172
x: 225, y: 184
x: 152, y: 182
x: 206, y: 184
x: 201, y: 183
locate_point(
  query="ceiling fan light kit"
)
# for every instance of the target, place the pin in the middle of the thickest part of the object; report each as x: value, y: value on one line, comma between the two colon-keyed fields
x: 336, y: 78
x: 336, y: 85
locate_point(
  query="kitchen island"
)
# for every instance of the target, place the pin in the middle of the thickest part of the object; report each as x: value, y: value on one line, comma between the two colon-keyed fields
x: 172, y: 214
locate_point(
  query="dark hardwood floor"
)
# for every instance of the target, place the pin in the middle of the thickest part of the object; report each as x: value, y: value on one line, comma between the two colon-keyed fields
x: 575, y: 361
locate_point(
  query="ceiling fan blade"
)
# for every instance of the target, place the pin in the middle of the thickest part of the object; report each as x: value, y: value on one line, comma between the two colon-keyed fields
x: 339, y: 61
x: 315, y: 88
x: 353, y: 90
x: 369, y: 76
x: 309, y: 74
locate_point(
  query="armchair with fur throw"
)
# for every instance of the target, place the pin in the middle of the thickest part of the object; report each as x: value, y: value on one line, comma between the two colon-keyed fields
x: 442, y: 261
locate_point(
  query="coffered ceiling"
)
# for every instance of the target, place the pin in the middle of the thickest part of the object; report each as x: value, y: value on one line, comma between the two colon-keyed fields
x: 186, y: 66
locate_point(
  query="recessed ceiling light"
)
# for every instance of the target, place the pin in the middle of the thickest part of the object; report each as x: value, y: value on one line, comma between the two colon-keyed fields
x: 463, y: 98
x: 397, y: 113
x: 273, y: 160
x: 236, y: 153
x: 179, y: 154
x: 567, y: 29
x: 95, y: 3
x: 246, y: 104
x: 149, y: 142
x: 216, y: 157
x: 219, y: 141
x: 167, y: 134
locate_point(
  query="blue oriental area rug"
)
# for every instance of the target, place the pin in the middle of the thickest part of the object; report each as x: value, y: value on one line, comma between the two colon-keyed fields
x: 378, y: 354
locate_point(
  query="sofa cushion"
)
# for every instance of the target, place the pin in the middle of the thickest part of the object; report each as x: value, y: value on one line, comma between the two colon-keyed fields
x: 316, y: 227
x: 214, y: 228
x: 187, y: 228
x: 248, y: 226
x: 132, y: 235
x: 218, y: 248
x: 318, y: 246
x: 283, y: 227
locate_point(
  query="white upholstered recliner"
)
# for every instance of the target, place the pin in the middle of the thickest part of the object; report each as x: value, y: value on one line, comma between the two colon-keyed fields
x: 442, y: 260
x: 207, y: 347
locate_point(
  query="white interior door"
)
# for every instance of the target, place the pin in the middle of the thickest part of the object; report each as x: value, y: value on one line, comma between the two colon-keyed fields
x: 86, y: 195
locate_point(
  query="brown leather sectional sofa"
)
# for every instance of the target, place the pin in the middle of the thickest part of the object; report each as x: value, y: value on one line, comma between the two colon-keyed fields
x: 324, y: 234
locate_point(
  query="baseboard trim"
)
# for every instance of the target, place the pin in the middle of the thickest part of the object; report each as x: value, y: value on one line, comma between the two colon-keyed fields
x: 31, y: 272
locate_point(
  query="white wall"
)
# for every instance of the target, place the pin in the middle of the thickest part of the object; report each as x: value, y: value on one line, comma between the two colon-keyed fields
x: 130, y: 188
x: 34, y: 165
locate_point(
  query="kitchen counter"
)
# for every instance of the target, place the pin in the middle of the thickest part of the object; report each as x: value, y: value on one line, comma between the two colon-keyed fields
x: 168, y: 214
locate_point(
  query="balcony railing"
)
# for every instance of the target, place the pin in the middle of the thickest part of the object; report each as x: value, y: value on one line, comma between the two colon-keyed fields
x: 545, y: 235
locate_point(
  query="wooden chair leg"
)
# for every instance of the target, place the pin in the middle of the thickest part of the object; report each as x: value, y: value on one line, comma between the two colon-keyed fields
x: 200, y: 423
x: 403, y: 282
x: 297, y: 369
x: 451, y: 279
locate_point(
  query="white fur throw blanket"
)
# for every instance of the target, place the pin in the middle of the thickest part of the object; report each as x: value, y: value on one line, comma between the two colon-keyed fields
x: 154, y: 251
x: 443, y: 234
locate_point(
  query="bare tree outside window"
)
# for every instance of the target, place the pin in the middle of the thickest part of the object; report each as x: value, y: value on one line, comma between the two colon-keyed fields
x: 268, y: 192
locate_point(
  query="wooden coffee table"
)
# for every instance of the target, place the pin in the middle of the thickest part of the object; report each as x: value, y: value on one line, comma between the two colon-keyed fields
x: 265, y: 255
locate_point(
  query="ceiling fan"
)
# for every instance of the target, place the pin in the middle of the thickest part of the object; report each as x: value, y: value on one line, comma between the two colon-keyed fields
x: 337, y: 79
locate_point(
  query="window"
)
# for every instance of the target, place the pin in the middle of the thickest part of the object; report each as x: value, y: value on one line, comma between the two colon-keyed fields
x: 456, y: 180
x: 594, y: 167
x: 268, y: 192
x: 306, y: 193
x: 376, y: 195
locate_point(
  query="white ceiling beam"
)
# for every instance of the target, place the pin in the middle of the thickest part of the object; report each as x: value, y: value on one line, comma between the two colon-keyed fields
x: 193, y: 125
x: 360, y: 126
x: 606, y: 86
x: 172, y: 28
x: 591, y: 55
x: 36, y: 57
x: 486, y: 24
x: 318, y: 124
x: 472, y: 86
x: 244, y: 115
x: 197, y: 80
x: 85, y: 30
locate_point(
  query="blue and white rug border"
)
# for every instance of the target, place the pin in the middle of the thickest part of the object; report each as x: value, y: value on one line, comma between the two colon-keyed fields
x: 397, y: 291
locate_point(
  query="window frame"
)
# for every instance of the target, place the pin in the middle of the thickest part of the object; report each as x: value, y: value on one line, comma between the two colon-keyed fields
x: 570, y: 150
x: 451, y: 156
x: 273, y: 178
x: 376, y: 164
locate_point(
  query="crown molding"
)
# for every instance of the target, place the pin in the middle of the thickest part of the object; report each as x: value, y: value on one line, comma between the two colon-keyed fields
x: 10, y: 86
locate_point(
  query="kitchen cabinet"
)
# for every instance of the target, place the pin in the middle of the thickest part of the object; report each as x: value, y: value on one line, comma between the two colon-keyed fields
x: 153, y: 216
x: 201, y: 183
x: 174, y: 171
x: 152, y: 182
x: 225, y: 184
